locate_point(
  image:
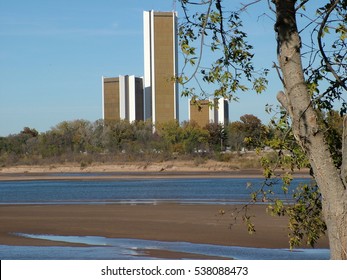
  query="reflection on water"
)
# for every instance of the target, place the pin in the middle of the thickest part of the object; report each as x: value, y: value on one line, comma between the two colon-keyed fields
x: 131, y: 249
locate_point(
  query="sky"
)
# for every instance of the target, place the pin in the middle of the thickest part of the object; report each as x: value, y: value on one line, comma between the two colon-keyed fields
x: 54, y: 53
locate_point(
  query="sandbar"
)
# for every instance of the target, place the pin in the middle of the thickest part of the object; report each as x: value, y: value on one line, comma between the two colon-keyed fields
x: 202, y: 224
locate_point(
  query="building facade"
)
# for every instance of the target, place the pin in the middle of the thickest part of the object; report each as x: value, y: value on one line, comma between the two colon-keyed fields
x: 123, y: 98
x: 110, y: 99
x: 203, y: 113
x: 223, y: 111
x: 200, y: 112
x: 160, y: 66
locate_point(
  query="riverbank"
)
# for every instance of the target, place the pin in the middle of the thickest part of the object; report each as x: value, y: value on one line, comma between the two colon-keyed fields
x: 168, y: 169
x: 200, y: 224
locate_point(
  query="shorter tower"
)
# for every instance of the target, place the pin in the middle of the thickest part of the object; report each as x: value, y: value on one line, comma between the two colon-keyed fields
x: 110, y: 99
x: 200, y: 112
x: 222, y: 112
x: 204, y: 112
x: 122, y: 98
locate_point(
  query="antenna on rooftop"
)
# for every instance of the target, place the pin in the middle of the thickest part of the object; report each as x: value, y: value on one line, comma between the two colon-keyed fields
x: 174, y: 5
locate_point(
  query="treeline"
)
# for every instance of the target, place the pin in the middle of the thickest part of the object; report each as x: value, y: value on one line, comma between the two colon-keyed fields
x: 101, y: 141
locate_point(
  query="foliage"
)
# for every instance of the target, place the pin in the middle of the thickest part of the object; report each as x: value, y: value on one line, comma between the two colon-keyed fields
x: 323, y: 71
x: 247, y: 133
x: 305, y: 214
x: 84, y: 141
x: 194, y: 138
x: 221, y: 33
x: 217, y: 136
x: 326, y: 69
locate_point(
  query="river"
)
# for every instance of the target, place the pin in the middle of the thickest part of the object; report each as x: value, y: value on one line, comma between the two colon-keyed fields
x: 135, y: 191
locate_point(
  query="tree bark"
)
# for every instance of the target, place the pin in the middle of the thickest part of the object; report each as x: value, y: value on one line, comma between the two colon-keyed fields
x: 298, y: 104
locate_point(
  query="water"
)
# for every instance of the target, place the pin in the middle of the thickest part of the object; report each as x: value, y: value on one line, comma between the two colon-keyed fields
x: 131, y: 249
x: 220, y: 191
x: 207, y: 191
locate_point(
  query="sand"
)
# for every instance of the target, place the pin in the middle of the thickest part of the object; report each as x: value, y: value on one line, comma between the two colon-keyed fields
x: 139, y: 170
x: 164, y: 222
x: 167, y: 166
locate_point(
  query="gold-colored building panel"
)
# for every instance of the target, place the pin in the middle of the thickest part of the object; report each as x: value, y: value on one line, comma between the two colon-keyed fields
x: 199, y: 112
x: 111, y: 99
x: 164, y: 67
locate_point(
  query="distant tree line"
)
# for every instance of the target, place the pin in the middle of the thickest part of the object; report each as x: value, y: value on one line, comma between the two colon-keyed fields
x: 108, y: 141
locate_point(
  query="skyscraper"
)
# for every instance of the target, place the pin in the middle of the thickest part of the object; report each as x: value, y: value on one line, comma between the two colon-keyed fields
x: 203, y: 114
x: 122, y: 98
x: 110, y: 99
x: 160, y: 61
x: 200, y: 112
x: 223, y: 112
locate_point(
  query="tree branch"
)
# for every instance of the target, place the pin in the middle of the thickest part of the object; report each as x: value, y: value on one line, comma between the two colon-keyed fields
x: 202, y: 40
x: 344, y: 152
x: 301, y: 5
x: 320, y: 45
x: 245, y: 6
x: 282, y: 98
x: 279, y: 73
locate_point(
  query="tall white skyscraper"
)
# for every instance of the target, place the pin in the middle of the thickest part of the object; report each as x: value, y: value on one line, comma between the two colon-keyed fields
x: 160, y: 61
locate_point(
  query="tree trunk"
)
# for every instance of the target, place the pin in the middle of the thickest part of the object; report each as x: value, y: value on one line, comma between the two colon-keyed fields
x: 297, y: 102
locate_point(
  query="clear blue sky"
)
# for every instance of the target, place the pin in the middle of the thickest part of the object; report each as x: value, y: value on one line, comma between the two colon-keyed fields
x: 53, y: 54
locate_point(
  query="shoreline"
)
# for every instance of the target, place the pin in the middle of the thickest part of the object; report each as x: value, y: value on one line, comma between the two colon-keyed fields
x: 93, y: 176
x: 171, y: 169
x: 167, y: 221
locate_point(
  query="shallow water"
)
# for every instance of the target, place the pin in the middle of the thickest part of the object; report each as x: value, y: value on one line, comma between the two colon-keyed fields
x: 203, y: 191
x: 130, y: 249
x: 192, y: 191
